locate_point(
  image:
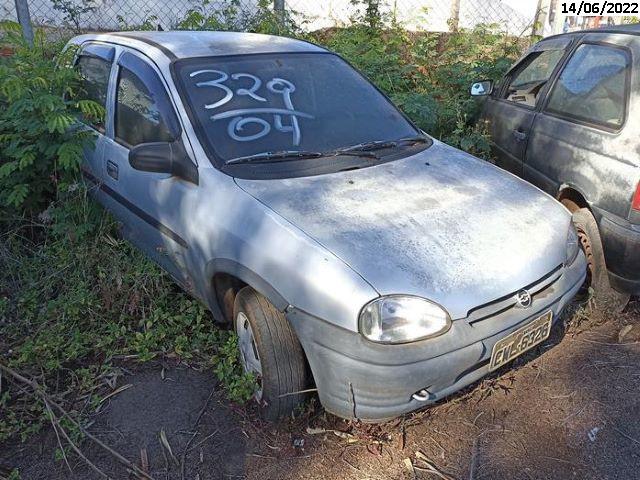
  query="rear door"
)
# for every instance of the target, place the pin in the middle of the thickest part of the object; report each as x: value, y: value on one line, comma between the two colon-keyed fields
x: 94, y: 64
x: 511, y: 109
x: 578, y: 138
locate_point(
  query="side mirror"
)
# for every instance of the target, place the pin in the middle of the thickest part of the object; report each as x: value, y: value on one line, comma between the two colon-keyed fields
x: 482, y: 88
x: 164, y: 157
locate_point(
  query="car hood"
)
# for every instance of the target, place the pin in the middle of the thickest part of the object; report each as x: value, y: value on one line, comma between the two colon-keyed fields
x: 440, y: 224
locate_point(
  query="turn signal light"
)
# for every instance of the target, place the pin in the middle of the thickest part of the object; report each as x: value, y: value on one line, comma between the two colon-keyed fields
x: 635, y: 203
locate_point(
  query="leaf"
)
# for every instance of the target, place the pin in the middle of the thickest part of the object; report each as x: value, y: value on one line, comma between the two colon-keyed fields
x: 59, y: 122
x: 69, y: 155
x: 165, y: 443
x: 91, y: 109
x: 39, y: 82
x: 27, y: 159
x: 8, y: 168
x: 17, y: 195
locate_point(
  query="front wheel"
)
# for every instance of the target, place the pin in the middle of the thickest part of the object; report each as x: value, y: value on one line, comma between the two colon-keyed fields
x: 597, y: 276
x: 270, y: 350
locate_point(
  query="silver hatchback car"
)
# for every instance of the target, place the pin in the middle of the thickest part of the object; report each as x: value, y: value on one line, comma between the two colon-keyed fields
x: 349, y: 249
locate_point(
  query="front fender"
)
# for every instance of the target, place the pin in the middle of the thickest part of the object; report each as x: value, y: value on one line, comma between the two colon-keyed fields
x: 236, y: 234
x: 248, y: 276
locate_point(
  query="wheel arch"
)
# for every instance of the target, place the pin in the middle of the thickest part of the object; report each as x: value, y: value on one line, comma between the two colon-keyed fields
x: 572, y: 197
x: 226, y: 277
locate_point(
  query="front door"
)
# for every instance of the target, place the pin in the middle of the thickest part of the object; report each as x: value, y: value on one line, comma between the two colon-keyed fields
x: 512, y: 108
x: 143, y: 113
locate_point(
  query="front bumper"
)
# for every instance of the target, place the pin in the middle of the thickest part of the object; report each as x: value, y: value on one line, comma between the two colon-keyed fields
x: 360, y: 379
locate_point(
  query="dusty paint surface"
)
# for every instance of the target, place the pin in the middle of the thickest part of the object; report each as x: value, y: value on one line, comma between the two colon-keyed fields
x: 440, y: 224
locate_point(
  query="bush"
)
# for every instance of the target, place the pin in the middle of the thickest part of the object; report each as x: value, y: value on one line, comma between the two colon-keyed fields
x: 233, y: 17
x: 40, y: 99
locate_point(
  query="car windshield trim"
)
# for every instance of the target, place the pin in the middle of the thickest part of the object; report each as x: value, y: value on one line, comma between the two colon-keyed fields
x: 179, y: 72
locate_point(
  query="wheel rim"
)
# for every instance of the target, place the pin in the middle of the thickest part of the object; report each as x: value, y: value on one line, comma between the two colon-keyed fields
x: 249, y: 357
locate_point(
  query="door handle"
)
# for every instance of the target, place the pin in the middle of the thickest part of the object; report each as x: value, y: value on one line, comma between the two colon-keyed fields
x: 519, y: 135
x: 112, y: 170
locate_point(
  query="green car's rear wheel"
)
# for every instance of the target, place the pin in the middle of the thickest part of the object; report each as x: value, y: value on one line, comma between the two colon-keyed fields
x: 597, y: 275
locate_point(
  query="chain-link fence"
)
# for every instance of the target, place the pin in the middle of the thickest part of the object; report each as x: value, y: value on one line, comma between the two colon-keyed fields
x: 511, y: 16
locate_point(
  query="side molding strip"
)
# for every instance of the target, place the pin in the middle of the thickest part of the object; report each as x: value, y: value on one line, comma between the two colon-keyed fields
x: 136, y: 210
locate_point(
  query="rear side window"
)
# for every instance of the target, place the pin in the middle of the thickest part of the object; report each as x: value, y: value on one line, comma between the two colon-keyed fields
x: 531, y: 75
x: 592, y: 87
x: 142, y: 112
x: 94, y: 73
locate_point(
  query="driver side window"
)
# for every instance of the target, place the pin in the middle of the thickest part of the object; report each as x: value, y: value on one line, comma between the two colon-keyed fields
x: 143, y: 110
x: 530, y: 77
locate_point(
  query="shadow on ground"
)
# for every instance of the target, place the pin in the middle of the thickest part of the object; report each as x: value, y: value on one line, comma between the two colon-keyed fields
x: 568, y: 410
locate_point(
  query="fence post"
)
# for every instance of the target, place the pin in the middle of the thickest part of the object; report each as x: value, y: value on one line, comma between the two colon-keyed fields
x: 278, y: 8
x: 454, y: 20
x: 22, y: 12
x: 542, y: 12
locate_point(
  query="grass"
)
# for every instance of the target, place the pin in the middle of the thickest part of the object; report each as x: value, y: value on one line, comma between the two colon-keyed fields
x: 73, y: 296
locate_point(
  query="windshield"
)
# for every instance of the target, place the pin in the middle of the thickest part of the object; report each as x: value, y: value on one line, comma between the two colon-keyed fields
x: 308, y: 102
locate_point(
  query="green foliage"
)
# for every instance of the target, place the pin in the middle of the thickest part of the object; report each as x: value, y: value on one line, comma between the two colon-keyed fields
x: 73, y: 11
x: 238, y: 384
x: 233, y: 17
x: 369, y: 13
x: 40, y: 99
x: 80, y: 296
x: 150, y: 23
x: 14, y: 475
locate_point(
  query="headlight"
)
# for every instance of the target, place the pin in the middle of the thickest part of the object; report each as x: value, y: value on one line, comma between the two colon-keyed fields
x: 573, y: 245
x: 401, y: 319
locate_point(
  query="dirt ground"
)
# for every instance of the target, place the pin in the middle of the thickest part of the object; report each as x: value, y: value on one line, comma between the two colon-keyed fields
x: 569, y: 409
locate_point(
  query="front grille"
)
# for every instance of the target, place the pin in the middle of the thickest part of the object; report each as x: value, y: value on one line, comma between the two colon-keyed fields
x: 537, y: 289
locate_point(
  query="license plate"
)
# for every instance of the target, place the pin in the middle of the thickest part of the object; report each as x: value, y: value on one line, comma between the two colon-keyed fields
x: 523, y: 339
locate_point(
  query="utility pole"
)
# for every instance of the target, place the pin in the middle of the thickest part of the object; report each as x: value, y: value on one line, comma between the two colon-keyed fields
x: 542, y: 13
x: 24, y: 19
x: 558, y: 18
x: 454, y: 20
x: 278, y: 8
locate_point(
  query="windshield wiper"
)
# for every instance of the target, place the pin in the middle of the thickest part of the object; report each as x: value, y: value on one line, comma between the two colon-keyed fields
x: 352, y: 153
x: 413, y: 139
x: 381, y: 144
x: 368, y: 146
x: 287, y: 155
x: 282, y: 155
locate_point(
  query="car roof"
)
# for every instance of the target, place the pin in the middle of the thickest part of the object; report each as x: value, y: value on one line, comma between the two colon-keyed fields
x: 631, y: 29
x: 187, y: 44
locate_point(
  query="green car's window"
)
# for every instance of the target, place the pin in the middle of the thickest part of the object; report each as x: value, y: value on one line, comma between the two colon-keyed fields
x: 532, y: 74
x: 592, y: 87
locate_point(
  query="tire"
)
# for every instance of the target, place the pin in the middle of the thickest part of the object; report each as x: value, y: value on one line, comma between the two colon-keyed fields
x: 275, y: 347
x: 597, y: 276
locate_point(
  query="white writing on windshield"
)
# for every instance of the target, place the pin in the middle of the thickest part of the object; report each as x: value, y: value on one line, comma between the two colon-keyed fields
x: 243, y: 117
